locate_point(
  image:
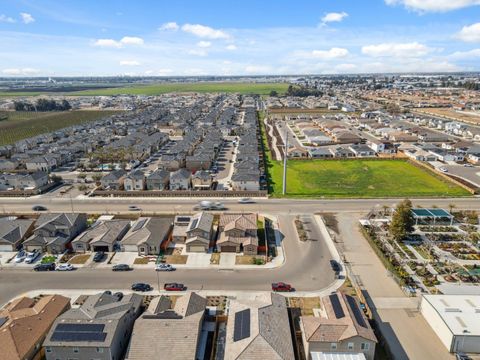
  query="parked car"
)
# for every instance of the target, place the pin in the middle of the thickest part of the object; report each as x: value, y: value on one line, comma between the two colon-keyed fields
x: 141, y: 287
x: 39, y: 208
x: 133, y: 208
x: 468, y: 165
x: 246, y: 201
x: 164, y: 267
x: 21, y: 255
x: 44, y: 267
x: 118, y: 295
x: 121, y: 267
x: 64, y: 267
x: 32, y: 256
x: 174, y: 287
x: 443, y: 169
x: 281, y: 287
x: 98, y: 257
x: 335, y: 266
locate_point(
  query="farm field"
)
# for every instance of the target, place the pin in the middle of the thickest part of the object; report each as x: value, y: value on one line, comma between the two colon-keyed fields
x: 21, y: 125
x: 164, y: 88
x: 465, y: 116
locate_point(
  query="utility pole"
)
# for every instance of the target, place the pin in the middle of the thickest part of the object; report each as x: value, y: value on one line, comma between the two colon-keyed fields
x: 285, y: 153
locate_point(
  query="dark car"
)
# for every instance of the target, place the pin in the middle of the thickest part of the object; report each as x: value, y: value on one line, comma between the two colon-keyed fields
x: 335, y: 266
x: 281, y: 287
x: 39, y: 208
x: 98, y: 256
x: 141, y: 287
x: 118, y: 295
x: 44, y: 267
x: 121, y: 267
x: 174, y: 287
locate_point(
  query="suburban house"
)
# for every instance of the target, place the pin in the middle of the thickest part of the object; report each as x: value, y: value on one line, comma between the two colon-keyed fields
x: 41, y: 163
x: 13, y: 232
x: 341, y: 328
x: 199, y: 232
x: 258, y: 330
x: 238, y: 233
x: 102, y: 236
x: 134, y: 181
x: 114, y: 180
x: 201, y: 180
x: 22, y: 181
x: 147, y: 235
x: 382, y: 147
x: 180, y: 179
x: 98, y: 329
x: 246, y: 180
x: 320, y: 153
x: 8, y: 164
x: 342, y: 152
x: 54, y: 232
x: 297, y: 152
x: 361, y: 150
x: 166, y: 331
x: 158, y: 180
x: 24, y: 324
x: 180, y: 227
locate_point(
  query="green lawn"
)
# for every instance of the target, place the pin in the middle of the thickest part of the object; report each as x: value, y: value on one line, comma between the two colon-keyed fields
x: 22, y: 124
x: 163, y: 88
x: 355, y: 178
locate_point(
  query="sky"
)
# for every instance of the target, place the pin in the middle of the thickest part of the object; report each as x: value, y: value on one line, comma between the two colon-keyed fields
x: 248, y: 37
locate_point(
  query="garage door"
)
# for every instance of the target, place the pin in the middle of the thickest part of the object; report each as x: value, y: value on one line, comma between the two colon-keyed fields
x: 197, y: 249
x: 229, y: 249
x: 100, y: 248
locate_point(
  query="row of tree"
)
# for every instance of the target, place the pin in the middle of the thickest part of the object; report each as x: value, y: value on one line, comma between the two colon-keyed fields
x: 43, y: 105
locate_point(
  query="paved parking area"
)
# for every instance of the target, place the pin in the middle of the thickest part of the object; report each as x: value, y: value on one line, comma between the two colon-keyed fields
x: 471, y: 174
x: 198, y: 259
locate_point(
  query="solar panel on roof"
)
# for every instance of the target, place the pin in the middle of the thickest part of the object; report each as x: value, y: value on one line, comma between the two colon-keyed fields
x: 183, y: 219
x: 337, y: 307
x: 139, y: 224
x: 356, y: 311
x: 80, y: 327
x: 242, y: 325
x: 194, y: 223
x: 69, y: 336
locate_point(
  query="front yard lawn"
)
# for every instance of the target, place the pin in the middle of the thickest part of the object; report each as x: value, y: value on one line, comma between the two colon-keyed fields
x: 176, y: 259
x: 79, y: 259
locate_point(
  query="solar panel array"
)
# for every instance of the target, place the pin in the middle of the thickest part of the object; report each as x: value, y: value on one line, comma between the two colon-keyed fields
x: 194, y: 224
x: 139, y: 224
x: 356, y: 311
x: 337, y: 307
x: 79, y: 332
x: 242, y: 325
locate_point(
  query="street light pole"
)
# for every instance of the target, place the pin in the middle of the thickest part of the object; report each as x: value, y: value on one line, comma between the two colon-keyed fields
x: 285, y: 155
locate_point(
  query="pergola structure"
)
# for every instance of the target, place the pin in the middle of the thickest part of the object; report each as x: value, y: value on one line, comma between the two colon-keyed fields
x: 427, y: 214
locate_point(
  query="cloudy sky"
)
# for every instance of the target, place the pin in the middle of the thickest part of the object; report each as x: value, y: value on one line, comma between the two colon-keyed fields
x: 219, y: 37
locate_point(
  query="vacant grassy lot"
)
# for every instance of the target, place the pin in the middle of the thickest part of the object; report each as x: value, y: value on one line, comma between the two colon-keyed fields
x: 21, y: 125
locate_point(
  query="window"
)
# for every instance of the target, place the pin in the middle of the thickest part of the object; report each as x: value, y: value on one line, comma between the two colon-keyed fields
x: 333, y: 346
x: 48, y: 349
x: 100, y: 350
x: 75, y: 350
x: 350, y: 346
x: 365, y: 346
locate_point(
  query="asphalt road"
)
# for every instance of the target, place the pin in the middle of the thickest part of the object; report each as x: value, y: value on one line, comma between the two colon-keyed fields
x: 272, y: 206
x: 306, y: 268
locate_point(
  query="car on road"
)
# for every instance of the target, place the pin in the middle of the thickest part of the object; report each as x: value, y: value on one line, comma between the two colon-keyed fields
x: 174, y: 287
x: 141, y: 287
x: 121, y: 267
x: 210, y: 205
x: 468, y: 165
x: 39, y: 208
x: 164, y: 267
x: 44, y: 267
x: 32, y: 256
x: 133, y: 208
x: 443, y: 169
x: 98, y: 257
x: 21, y: 255
x: 246, y: 201
x: 281, y: 287
x: 64, y: 267
x: 335, y: 265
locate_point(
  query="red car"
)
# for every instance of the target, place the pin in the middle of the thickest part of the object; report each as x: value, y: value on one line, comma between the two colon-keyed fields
x: 174, y: 287
x: 280, y: 286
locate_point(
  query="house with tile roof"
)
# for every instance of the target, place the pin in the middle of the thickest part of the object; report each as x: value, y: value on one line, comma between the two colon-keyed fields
x: 238, y: 233
x: 102, y: 236
x: 13, y: 232
x: 199, y: 232
x: 146, y: 235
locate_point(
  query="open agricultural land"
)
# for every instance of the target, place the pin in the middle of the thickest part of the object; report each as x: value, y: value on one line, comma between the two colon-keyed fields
x: 464, y: 116
x: 21, y: 125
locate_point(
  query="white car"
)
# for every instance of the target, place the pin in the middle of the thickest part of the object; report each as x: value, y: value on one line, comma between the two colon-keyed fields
x: 64, y: 267
x: 246, y: 201
x: 164, y: 267
x: 32, y: 256
x: 468, y: 165
x: 21, y: 255
x: 442, y: 169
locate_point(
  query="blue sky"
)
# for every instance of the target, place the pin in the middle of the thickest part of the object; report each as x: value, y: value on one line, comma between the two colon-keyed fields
x: 192, y: 37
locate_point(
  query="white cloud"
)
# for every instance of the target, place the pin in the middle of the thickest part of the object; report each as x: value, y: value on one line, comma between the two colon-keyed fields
x: 203, y: 31
x: 21, y: 72
x: 6, y: 19
x: 231, y: 47
x: 258, y: 69
x: 345, y: 67
x: 413, y: 49
x: 111, y: 43
x: 159, y: 72
x: 169, y: 26
x: 27, y: 18
x: 334, y: 17
x: 204, y: 44
x: 470, y: 33
x: 132, y: 40
x: 129, y: 63
x: 197, y: 52
x: 433, y: 5
x: 333, y: 53
x: 465, y: 55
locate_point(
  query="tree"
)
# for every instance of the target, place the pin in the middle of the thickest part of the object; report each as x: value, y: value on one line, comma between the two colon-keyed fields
x: 402, y: 221
x: 273, y: 93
